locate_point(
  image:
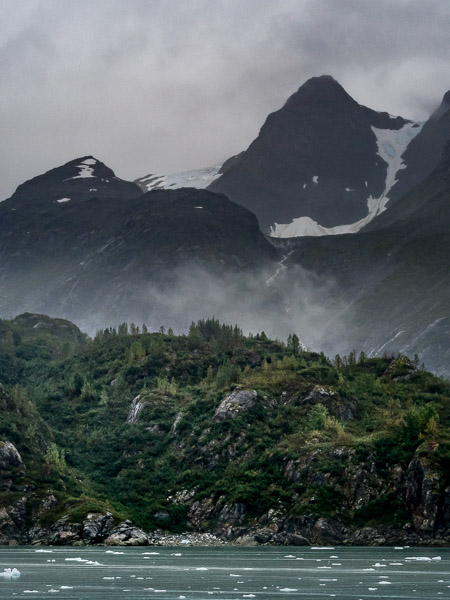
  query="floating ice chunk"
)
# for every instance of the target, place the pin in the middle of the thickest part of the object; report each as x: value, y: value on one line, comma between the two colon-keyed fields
x: 322, y: 548
x: 289, y: 556
x: 378, y: 565
x: 52, y: 591
x: 181, y: 597
x: 248, y: 595
x: 107, y: 577
x: 202, y: 569
x: 372, y: 589
x: 418, y: 558
x: 384, y: 583
x: 315, y: 179
x: 176, y: 554
x: 40, y: 550
x: 31, y: 591
x: 8, y: 573
x: 233, y: 575
x: 149, y: 553
x: 396, y: 564
x: 60, y: 201
x: 94, y: 563
x: 436, y: 558
x: 288, y: 590
x: 67, y: 587
x: 113, y: 552
x: 369, y: 569
x: 77, y: 559
x: 398, y: 548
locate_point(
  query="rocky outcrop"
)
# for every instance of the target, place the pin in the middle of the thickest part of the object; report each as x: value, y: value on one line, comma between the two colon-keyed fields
x: 13, y: 527
x: 235, y: 404
x: 127, y: 534
x: 97, y: 527
x: 61, y: 533
x: 9, y: 456
x: 422, y: 495
x: 340, y: 408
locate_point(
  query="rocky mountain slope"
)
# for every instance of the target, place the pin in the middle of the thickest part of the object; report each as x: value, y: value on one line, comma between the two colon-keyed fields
x: 392, y: 279
x: 256, y: 441
x: 78, y: 242
x: 321, y: 162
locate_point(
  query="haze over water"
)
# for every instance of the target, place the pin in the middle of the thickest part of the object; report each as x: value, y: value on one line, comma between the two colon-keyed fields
x: 226, y: 573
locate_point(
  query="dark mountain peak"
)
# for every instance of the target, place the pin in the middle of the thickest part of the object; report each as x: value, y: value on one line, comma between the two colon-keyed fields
x: 79, y: 179
x: 319, y: 90
x: 443, y: 108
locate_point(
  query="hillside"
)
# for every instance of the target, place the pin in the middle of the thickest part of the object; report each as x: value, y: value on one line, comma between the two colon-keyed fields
x: 255, y: 440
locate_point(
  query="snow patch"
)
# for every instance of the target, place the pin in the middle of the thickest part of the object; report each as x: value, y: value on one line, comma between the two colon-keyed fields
x: 199, y: 179
x: 391, y: 144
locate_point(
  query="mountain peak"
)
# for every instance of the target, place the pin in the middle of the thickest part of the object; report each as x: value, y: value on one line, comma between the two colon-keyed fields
x: 442, y: 108
x: 323, y: 89
x: 79, y: 179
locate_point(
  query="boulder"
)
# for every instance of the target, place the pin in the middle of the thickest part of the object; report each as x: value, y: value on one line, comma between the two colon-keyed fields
x: 234, y: 404
x: 9, y: 456
x: 127, y: 534
x: 97, y: 527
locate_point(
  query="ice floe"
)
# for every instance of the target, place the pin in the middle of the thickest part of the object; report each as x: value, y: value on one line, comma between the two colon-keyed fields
x: 8, y: 573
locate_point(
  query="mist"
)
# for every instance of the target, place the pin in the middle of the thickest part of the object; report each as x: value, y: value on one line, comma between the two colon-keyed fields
x: 278, y: 301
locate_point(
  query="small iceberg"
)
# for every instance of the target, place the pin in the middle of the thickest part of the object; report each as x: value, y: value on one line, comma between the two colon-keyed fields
x: 8, y: 573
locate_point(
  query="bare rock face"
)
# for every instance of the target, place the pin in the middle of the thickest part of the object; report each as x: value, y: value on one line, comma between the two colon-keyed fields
x: 234, y: 404
x: 61, y: 533
x: 13, y: 525
x: 422, y: 495
x: 9, y: 456
x: 127, y: 534
x: 97, y: 527
x: 338, y: 407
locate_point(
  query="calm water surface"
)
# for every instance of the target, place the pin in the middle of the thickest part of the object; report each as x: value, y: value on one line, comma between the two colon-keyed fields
x: 226, y: 573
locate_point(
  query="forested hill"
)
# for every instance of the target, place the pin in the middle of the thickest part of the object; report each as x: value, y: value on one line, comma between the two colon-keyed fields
x: 255, y: 440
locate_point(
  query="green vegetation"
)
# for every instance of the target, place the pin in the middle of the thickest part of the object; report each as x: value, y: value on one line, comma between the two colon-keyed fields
x: 65, y: 402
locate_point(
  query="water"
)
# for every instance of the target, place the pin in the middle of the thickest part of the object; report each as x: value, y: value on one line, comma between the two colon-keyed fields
x: 226, y: 573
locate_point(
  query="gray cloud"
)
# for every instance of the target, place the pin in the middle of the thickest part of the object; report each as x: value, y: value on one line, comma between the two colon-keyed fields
x: 161, y: 86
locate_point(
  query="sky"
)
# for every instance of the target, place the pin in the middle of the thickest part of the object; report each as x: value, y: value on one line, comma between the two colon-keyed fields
x: 162, y: 86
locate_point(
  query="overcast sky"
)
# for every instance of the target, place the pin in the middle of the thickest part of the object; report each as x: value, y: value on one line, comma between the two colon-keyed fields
x: 160, y: 86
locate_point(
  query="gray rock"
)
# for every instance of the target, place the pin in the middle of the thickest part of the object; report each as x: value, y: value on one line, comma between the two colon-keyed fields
x: 13, y: 525
x: 232, y: 514
x: 97, y: 527
x: 61, y: 533
x: 340, y: 408
x: 234, y: 404
x: 422, y: 495
x: 127, y: 534
x: 48, y: 503
x: 9, y: 456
